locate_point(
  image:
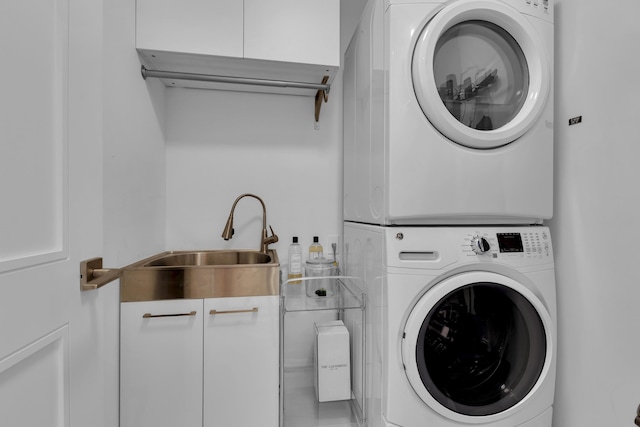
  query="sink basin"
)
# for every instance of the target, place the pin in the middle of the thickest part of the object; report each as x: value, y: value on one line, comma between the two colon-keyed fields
x: 204, y: 258
x: 201, y: 274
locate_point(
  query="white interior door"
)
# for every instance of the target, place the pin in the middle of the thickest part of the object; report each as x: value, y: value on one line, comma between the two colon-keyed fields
x: 52, y: 351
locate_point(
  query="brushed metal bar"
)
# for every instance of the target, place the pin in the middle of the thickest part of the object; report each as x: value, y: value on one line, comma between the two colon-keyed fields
x: 162, y: 74
x: 150, y: 316
x: 250, y: 310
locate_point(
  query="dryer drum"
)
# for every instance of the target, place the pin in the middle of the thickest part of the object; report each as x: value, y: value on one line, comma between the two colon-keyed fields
x: 481, y: 349
x: 493, y: 74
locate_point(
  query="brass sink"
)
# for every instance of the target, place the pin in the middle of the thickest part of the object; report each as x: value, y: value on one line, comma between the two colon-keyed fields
x: 201, y: 274
x: 204, y: 258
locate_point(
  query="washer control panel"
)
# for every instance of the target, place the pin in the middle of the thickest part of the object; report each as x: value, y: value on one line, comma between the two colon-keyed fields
x: 522, y: 243
x: 437, y: 248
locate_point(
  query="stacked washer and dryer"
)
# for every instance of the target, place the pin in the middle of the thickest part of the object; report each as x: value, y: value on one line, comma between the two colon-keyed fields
x: 448, y: 177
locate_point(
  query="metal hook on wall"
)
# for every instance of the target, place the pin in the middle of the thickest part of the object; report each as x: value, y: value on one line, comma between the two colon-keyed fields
x: 321, y: 96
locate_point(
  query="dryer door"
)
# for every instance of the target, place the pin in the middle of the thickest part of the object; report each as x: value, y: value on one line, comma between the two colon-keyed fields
x: 480, y: 73
x: 477, y: 345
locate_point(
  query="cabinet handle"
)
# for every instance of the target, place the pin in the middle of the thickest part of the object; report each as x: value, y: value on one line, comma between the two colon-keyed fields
x: 149, y: 315
x: 249, y: 310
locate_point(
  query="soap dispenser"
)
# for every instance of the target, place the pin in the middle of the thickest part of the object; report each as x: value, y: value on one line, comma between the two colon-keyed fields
x: 315, y: 250
x: 295, y: 261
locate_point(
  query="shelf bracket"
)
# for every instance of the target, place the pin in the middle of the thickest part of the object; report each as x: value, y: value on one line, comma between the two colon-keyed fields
x: 321, y: 95
x: 93, y: 276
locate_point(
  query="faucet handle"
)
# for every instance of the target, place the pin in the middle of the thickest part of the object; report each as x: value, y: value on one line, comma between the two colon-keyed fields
x: 267, y: 240
x: 274, y: 236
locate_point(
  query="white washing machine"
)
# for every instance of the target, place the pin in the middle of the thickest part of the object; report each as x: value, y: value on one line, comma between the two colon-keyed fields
x: 461, y: 324
x: 448, y: 113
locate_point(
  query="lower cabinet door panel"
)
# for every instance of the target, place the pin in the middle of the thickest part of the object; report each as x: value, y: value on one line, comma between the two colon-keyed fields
x: 161, y: 363
x: 241, y: 361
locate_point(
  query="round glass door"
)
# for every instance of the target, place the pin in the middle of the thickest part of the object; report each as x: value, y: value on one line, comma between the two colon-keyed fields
x: 481, y: 349
x: 480, y: 74
x: 478, y: 349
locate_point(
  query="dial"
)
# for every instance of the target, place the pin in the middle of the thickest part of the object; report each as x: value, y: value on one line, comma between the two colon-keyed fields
x: 480, y: 245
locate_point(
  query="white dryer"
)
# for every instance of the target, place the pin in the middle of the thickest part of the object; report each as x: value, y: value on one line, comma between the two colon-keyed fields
x: 448, y: 113
x: 461, y: 324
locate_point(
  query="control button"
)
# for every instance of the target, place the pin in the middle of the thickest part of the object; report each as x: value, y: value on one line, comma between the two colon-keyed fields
x: 480, y: 245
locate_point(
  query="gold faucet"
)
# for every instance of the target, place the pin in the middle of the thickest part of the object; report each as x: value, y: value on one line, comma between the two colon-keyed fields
x: 265, y: 240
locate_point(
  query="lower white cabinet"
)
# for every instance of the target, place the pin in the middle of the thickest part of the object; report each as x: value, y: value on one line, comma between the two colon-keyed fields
x: 194, y: 362
x: 161, y: 363
x: 241, y: 362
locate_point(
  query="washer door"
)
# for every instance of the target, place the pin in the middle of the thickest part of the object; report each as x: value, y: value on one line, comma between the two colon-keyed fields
x: 480, y: 73
x: 477, y: 345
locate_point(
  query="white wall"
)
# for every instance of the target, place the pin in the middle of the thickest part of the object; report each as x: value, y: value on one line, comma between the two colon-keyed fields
x: 134, y: 149
x: 596, y: 212
x: 221, y: 144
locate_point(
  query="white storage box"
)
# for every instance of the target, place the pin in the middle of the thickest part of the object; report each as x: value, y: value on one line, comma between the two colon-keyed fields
x: 332, y: 361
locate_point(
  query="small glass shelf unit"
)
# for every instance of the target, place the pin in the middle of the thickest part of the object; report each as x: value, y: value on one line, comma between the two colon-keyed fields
x: 299, y: 405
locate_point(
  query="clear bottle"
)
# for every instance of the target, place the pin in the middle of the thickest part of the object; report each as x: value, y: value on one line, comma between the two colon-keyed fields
x: 315, y: 250
x: 295, y: 261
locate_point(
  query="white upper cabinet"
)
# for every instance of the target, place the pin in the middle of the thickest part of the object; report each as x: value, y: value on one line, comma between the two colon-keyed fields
x: 304, y: 31
x: 279, y: 40
x: 205, y: 27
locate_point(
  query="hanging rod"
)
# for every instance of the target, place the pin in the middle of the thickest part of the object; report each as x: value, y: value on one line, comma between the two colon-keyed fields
x: 235, y: 80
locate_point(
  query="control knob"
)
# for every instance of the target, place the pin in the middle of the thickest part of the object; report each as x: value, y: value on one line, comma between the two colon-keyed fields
x: 480, y: 245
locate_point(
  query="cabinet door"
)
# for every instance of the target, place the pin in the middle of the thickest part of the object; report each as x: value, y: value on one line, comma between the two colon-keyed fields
x: 303, y: 31
x: 207, y: 27
x: 241, y: 370
x: 161, y: 363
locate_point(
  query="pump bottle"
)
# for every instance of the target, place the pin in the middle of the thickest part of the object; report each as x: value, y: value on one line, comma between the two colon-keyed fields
x: 295, y: 261
x: 315, y: 250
